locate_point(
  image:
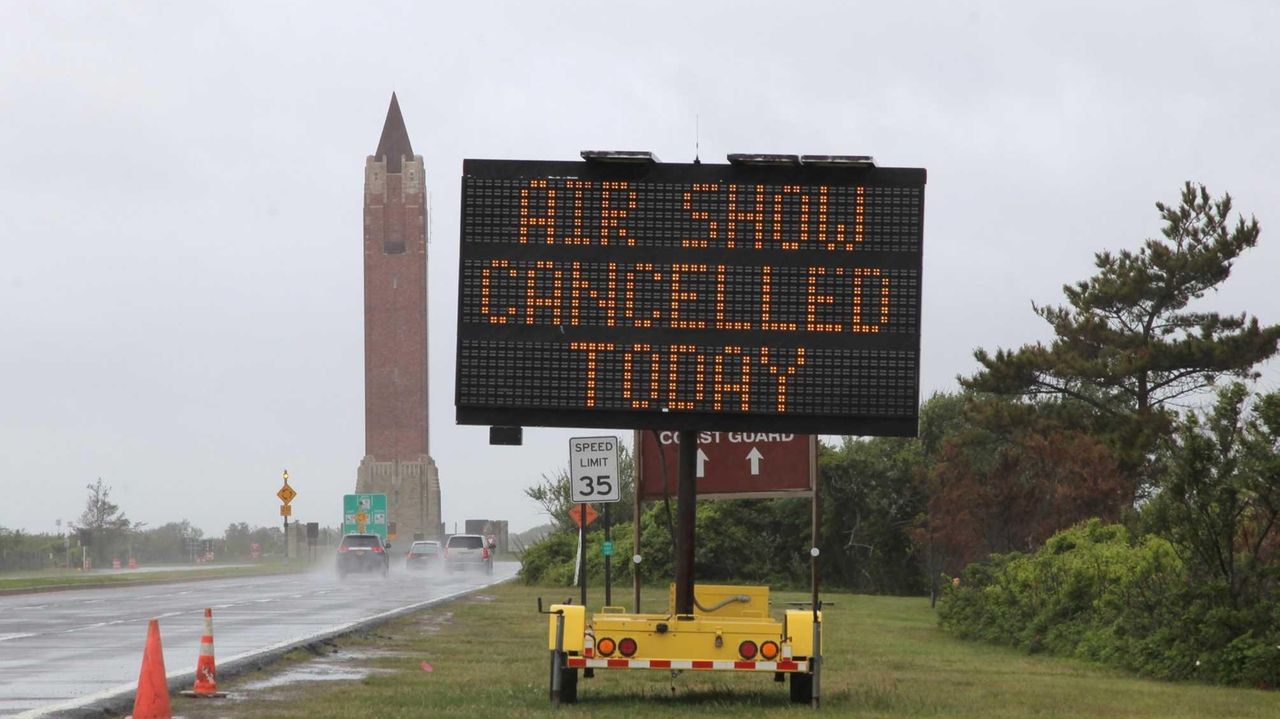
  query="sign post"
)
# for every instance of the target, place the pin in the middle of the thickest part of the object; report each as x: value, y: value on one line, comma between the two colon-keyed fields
x: 686, y: 496
x: 286, y: 495
x: 582, y: 515
x: 594, y: 476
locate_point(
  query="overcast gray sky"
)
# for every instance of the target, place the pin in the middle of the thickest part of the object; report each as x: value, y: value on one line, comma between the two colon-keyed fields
x: 180, y: 197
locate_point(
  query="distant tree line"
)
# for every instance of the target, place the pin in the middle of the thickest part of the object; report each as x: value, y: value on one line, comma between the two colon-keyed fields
x: 104, y: 533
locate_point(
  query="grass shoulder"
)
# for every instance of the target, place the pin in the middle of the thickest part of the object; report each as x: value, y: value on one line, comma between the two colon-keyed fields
x: 62, y: 579
x: 485, y: 655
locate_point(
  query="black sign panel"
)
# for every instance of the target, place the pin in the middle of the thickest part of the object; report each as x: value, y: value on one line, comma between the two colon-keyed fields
x: 690, y: 296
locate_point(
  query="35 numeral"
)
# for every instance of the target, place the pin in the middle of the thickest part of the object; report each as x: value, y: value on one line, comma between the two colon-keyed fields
x: 590, y: 486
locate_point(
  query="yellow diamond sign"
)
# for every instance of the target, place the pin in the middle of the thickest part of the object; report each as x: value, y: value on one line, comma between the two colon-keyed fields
x: 286, y: 494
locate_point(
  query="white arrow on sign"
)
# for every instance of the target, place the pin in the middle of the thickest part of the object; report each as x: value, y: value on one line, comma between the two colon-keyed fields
x: 754, y: 457
x: 702, y: 462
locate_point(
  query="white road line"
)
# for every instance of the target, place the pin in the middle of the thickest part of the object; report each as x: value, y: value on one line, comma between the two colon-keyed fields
x: 7, y: 637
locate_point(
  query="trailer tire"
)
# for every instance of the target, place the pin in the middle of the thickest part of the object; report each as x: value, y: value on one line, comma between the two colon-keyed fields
x: 801, y: 688
x: 568, y: 685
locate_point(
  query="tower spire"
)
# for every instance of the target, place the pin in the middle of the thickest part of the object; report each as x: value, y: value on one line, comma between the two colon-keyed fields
x: 394, y: 143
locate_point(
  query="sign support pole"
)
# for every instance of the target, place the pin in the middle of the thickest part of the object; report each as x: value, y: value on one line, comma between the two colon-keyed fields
x: 686, y: 498
x: 608, y: 558
x: 286, y: 537
x: 582, y: 551
x: 635, y: 527
x: 816, y: 659
x: 813, y: 525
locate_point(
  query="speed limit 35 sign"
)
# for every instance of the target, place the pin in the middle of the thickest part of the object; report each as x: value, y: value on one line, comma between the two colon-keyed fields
x: 593, y: 469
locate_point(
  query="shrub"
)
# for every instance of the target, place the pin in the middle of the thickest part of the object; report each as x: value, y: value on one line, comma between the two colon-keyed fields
x: 1095, y: 593
x: 550, y: 561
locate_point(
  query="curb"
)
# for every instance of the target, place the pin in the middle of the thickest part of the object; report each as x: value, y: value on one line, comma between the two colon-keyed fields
x: 119, y: 700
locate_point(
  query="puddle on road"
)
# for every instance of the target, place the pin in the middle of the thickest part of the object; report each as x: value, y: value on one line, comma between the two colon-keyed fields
x: 339, y: 666
x: 432, y: 623
x: 329, y: 662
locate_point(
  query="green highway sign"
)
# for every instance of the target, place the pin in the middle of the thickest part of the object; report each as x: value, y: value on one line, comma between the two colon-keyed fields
x: 606, y: 549
x: 365, y: 514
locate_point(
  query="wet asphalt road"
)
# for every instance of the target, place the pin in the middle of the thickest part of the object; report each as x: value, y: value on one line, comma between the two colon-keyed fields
x: 58, y: 646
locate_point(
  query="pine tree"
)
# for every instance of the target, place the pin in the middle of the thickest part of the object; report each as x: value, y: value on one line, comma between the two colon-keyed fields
x: 1128, y: 345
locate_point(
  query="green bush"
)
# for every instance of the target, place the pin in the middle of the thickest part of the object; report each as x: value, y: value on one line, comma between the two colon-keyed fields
x: 546, y: 561
x: 1095, y: 593
x: 551, y: 560
x: 747, y: 541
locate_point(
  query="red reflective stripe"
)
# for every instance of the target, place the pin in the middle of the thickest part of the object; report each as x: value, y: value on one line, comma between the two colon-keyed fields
x: 581, y: 663
x: 588, y: 652
x: 206, y: 639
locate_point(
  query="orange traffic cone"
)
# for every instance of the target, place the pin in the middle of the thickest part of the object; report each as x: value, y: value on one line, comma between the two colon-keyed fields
x: 152, y: 699
x: 206, y: 674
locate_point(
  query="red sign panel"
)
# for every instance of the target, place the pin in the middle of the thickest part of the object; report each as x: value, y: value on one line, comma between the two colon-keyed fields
x: 730, y: 464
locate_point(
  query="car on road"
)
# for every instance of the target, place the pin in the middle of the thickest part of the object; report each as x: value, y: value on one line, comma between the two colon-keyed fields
x: 423, y: 554
x: 467, y: 551
x: 363, y: 553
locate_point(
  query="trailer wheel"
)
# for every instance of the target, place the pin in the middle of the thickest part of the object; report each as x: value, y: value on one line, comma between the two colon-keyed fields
x: 801, y: 688
x: 568, y: 685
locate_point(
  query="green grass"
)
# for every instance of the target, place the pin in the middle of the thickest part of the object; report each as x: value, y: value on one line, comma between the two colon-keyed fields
x: 885, y: 658
x: 63, y: 578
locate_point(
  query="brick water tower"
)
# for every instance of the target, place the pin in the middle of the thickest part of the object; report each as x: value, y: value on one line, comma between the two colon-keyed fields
x: 397, y: 456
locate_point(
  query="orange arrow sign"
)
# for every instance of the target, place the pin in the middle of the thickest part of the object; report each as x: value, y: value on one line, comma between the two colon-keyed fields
x: 583, y: 514
x: 286, y: 494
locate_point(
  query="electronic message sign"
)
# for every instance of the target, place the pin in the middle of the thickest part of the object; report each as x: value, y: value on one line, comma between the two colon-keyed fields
x: 690, y: 296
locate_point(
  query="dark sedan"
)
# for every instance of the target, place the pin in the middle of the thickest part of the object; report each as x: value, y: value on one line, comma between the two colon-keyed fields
x: 362, y: 553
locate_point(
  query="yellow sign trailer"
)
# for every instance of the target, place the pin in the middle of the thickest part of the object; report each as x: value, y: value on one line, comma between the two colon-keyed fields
x: 731, y: 629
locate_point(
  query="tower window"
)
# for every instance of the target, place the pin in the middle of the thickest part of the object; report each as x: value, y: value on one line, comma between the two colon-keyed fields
x: 393, y: 247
